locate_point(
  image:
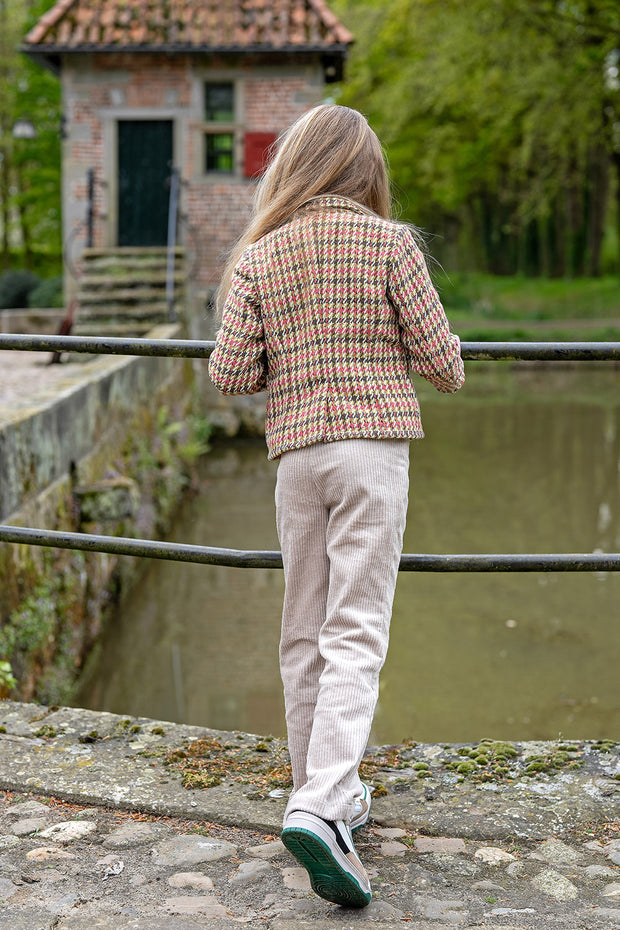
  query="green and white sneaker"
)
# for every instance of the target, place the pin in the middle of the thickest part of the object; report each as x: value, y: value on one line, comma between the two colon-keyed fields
x: 361, y: 809
x: 325, y: 849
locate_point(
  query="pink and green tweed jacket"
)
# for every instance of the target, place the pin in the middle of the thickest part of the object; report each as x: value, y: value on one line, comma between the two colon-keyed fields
x: 329, y: 313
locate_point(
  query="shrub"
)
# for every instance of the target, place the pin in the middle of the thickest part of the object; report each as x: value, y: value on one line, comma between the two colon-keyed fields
x: 47, y: 293
x: 15, y: 286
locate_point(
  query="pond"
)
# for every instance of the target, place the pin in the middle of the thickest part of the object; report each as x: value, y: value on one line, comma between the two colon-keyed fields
x: 525, y: 458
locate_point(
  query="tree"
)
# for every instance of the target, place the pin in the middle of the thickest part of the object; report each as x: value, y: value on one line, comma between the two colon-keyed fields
x: 501, y: 120
x: 29, y: 167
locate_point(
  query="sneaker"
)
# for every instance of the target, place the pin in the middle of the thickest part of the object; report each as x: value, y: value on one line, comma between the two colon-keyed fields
x: 325, y: 849
x: 361, y: 808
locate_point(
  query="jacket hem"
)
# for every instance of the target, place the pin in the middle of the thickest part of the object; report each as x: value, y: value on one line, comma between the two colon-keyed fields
x: 274, y: 452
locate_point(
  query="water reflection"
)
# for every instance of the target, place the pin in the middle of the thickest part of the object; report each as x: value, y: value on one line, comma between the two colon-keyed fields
x: 523, y: 460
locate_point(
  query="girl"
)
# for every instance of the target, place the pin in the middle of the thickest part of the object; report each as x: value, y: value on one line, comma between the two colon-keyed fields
x: 326, y: 303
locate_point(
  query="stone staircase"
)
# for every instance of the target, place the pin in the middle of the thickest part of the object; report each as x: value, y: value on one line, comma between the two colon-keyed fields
x: 122, y: 291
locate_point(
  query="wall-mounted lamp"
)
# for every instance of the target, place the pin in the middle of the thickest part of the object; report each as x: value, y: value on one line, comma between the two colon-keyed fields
x: 23, y: 129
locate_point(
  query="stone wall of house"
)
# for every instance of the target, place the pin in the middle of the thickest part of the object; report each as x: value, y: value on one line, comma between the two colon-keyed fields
x: 99, y: 90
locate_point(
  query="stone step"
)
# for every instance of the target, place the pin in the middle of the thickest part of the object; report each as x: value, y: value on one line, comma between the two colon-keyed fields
x: 121, y: 267
x: 155, y: 277
x: 127, y: 295
x: 121, y: 308
x: 160, y: 312
x: 114, y: 260
x: 123, y: 290
x: 131, y: 250
x: 114, y: 327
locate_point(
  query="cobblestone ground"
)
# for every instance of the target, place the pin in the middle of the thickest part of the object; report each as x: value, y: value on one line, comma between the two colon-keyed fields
x: 68, y: 867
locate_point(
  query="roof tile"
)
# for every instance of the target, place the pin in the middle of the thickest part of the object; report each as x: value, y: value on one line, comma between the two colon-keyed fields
x: 186, y: 24
x: 238, y: 24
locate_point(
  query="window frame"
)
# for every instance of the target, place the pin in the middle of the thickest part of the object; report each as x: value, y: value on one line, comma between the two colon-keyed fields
x: 212, y: 128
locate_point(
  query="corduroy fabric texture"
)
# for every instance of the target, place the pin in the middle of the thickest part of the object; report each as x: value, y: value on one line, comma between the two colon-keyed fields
x: 327, y: 313
x: 341, y: 510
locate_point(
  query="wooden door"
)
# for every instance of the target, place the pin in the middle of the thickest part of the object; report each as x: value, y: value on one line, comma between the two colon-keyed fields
x: 144, y: 167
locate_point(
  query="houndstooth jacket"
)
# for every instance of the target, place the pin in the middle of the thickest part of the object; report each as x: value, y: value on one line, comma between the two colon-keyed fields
x: 328, y: 313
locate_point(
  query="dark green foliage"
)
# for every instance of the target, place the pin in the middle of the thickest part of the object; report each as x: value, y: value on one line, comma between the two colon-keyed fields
x: 47, y: 294
x: 500, y: 122
x: 42, y: 630
x: 16, y: 287
x: 30, y: 233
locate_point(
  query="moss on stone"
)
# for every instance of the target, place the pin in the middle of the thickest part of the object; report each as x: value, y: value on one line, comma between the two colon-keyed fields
x: 554, y: 759
x: 204, y: 763
x: 55, y: 603
x: 42, y: 640
x: 498, y: 760
x: 46, y: 732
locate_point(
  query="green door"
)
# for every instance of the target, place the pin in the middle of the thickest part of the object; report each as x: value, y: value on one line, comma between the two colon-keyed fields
x: 144, y: 166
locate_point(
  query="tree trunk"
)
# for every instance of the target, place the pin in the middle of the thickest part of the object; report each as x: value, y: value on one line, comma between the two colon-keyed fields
x: 24, y: 228
x: 4, y: 205
x: 598, y: 193
x: 616, y: 162
x: 556, y: 237
x: 575, y: 209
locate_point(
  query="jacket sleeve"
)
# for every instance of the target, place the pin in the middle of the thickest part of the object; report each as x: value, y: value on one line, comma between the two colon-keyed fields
x: 238, y: 365
x: 433, y: 351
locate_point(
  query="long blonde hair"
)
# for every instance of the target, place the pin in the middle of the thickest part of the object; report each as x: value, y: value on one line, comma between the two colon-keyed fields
x: 329, y: 150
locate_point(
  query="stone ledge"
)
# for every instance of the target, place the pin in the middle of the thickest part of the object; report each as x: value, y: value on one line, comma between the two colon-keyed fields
x: 65, y: 420
x: 89, y: 757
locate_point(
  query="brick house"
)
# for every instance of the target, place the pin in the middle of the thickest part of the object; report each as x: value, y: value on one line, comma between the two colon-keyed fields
x: 204, y: 85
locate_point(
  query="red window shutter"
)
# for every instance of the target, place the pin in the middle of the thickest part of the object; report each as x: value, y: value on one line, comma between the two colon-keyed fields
x: 257, y: 146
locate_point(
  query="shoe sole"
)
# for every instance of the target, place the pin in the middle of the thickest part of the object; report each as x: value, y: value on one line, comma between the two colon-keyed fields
x: 327, y: 878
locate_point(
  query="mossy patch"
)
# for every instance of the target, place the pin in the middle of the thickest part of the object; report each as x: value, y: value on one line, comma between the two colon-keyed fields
x: 553, y: 760
x: 489, y: 760
x: 47, y: 732
x: 41, y: 643
x: 265, y: 765
x: 55, y: 604
x: 205, y: 763
x: 92, y: 737
x: 604, y: 745
x: 498, y: 760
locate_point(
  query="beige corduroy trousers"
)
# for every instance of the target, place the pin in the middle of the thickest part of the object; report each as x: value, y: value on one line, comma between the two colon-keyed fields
x: 341, y: 510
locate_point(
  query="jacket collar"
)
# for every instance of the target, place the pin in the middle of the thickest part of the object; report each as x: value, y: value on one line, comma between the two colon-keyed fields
x: 333, y: 202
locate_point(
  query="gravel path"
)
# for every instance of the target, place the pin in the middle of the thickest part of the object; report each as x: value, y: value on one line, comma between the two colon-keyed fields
x: 65, y: 866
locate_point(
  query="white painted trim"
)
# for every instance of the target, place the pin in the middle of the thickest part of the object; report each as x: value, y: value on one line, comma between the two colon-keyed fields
x: 202, y: 128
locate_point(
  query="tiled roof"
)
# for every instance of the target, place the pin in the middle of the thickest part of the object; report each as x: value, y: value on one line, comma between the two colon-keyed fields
x: 225, y: 25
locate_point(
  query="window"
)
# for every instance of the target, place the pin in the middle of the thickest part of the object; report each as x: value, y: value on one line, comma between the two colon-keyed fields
x: 220, y: 127
x: 221, y: 152
x: 228, y: 149
x: 220, y: 103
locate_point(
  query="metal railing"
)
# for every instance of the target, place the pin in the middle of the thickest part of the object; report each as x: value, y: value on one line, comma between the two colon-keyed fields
x: 208, y: 555
x: 171, y: 240
x: 197, y: 348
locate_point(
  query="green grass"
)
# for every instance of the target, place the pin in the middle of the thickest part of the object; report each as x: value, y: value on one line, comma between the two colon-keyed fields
x: 488, y: 298
x: 533, y: 332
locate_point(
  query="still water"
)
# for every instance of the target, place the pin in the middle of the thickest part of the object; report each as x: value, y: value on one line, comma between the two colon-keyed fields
x: 523, y: 459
